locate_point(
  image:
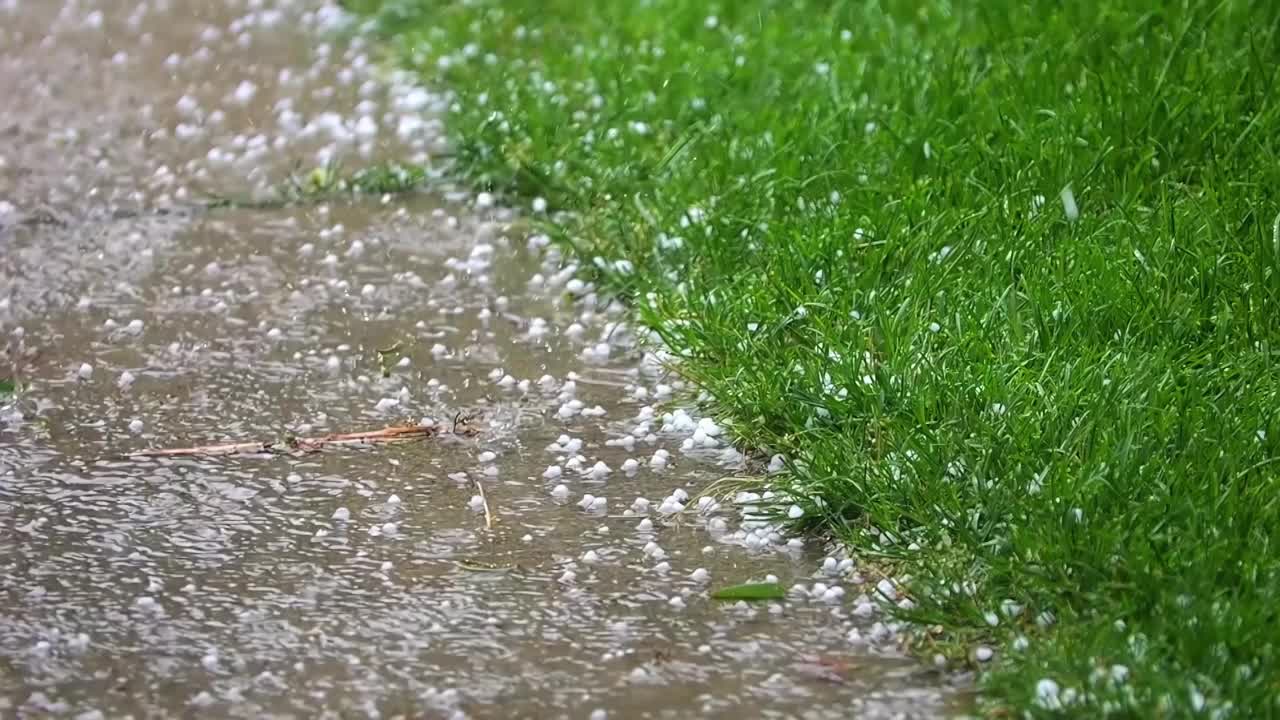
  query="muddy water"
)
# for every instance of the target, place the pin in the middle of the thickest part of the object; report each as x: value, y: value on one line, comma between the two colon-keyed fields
x: 357, y: 582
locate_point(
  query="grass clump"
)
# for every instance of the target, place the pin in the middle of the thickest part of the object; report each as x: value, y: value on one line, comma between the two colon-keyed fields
x: 330, y: 182
x: 1001, y: 278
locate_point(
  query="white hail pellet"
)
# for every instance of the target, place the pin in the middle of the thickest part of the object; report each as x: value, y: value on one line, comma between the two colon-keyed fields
x: 886, y: 590
x: 1069, y: 207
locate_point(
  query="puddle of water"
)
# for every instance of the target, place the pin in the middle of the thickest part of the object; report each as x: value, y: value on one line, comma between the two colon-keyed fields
x: 233, y: 586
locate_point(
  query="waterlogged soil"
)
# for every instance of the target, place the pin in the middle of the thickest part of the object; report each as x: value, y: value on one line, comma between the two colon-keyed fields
x: 354, y: 581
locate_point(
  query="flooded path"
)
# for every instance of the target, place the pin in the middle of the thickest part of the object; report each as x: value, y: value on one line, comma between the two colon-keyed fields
x: 352, y: 582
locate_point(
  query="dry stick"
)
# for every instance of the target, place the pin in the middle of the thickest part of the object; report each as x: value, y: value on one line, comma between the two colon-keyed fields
x: 488, y: 516
x: 313, y: 444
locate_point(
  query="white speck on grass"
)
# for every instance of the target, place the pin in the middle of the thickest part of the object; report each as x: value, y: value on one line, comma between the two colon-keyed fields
x: 983, y: 654
x: 1069, y: 204
x: 1048, y: 694
x: 1197, y: 698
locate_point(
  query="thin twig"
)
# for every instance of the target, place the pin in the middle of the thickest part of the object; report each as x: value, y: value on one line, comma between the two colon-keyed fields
x: 488, y: 516
x: 312, y: 444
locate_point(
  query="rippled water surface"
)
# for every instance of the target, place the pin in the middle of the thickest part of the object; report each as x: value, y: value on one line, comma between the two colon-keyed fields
x: 359, y: 581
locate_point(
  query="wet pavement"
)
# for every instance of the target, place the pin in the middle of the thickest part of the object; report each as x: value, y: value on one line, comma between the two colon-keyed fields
x: 352, y: 582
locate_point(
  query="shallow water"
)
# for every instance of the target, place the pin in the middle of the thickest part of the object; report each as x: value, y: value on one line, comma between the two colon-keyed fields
x: 226, y: 586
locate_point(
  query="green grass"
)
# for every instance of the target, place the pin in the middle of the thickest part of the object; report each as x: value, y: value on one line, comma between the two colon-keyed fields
x: 855, y: 224
x: 330, y: 182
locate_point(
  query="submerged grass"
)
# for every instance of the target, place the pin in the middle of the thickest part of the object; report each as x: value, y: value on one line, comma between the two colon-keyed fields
x: 330, y: 182
x: 1001, y: 278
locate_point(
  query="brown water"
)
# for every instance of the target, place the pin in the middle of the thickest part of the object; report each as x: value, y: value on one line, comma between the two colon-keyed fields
x: 226, y: 587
